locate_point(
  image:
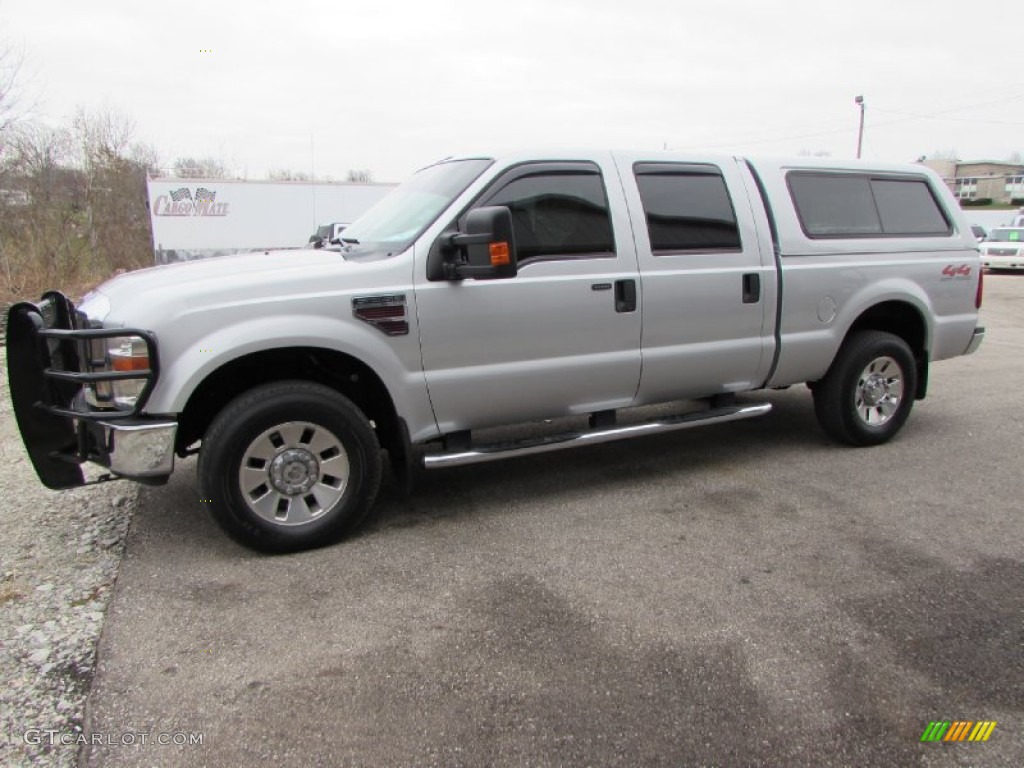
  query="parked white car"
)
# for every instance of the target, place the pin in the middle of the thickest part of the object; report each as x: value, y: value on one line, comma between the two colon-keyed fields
x: 1003, y: 248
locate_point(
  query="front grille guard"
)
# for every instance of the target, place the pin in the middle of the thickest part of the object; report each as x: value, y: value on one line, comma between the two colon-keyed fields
x: 50, y: 360
x: 77, y: 407
x: 66, y: 357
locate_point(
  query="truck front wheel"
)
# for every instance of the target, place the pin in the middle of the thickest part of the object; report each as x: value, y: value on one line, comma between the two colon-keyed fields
x: 289, y: 466
x: 867, y: 394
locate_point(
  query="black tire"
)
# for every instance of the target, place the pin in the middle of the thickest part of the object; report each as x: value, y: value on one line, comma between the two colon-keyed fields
x: 866, y: 396
x: 320, y: 473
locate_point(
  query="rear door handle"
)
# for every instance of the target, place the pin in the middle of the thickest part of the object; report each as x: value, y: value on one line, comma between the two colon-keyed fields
x: 625, y: 295
x: 751, y: 288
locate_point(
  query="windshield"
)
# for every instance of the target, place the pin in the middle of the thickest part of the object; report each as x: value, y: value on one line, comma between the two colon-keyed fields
x: 1007, y: 235
x: 399, y: 218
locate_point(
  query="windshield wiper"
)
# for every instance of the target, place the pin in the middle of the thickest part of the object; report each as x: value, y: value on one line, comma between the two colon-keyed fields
x: 351, y: 240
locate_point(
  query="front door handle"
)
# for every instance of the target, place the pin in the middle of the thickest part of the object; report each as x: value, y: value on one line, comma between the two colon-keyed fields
x: 751, y: 288
x: 625, y: 295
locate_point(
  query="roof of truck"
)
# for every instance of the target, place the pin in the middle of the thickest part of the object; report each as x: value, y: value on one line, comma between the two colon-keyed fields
x: 822, y: 163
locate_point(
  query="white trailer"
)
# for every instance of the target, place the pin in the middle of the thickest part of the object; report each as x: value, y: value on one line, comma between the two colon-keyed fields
x: 197, y: 218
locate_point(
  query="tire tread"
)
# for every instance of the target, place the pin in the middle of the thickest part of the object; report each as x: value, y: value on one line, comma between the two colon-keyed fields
x: 832, y: 405
x: 214, y: 475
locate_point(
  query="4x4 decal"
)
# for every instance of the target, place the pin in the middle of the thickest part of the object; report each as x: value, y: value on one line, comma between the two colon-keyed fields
x: 956, y: 271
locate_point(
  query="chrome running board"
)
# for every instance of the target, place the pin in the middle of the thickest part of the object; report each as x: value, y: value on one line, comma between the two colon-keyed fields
x: 495, y: 451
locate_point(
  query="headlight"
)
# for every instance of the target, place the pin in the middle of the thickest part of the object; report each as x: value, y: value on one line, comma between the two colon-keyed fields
x: 129, y: 354
x: 123, y: 354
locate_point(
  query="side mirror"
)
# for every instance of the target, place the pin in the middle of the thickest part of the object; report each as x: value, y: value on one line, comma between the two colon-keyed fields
x: 489, y: 245
x: 335, y: 238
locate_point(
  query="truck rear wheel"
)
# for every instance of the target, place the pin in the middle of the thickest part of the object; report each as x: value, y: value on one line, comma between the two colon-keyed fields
x: 866, y: 396
x: 289, y: 466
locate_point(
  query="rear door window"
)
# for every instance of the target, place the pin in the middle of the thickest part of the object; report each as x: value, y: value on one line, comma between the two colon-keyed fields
x: 687, y: 208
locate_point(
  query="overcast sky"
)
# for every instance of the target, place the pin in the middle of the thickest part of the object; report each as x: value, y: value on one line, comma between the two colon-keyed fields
x: 392, y: 86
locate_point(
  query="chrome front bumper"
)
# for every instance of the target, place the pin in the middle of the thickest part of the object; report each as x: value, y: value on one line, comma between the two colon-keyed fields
x: 140, y: 451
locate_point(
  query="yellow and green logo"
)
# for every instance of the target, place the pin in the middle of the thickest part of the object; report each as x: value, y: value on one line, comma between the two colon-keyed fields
x: 958, y: 730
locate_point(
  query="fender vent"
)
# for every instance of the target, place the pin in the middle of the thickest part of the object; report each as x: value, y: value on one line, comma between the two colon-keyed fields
x: 385, y: 313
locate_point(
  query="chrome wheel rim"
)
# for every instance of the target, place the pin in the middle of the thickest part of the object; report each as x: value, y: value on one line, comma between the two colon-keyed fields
x: 294, y: 473
x: 879, y: 391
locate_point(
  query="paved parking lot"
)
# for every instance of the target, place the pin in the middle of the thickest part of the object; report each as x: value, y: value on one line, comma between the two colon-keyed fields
x: 748, y: 594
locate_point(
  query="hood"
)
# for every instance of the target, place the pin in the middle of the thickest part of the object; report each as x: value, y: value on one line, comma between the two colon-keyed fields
x: 219, y: 268
x: 149, y: 297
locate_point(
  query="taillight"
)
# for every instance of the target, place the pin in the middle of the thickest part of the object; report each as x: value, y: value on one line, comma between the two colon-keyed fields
x: 981, y: 283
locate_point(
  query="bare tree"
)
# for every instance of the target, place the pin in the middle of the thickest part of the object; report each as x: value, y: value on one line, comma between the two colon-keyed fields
x: 74, y: 202
x: 10, y: 71
x: 39, y: 230
x: 287, y: 174
x: 199, y: 168
x: 10, y: 107
x: 103, y: 136
x: 38, y: 156
x: 115, y: 168
x: 12, y: 200
x: 363, y: 176
x: 1015, y: 157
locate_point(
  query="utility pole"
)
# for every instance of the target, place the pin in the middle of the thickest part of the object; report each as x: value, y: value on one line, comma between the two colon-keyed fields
x: 859, y: 101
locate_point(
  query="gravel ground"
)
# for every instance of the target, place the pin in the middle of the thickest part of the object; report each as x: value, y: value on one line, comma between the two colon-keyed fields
x: 59, y: 557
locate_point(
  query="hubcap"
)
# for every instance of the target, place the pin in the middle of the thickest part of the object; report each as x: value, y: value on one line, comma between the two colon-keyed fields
x: 879, y: 391
x: 293, y: 473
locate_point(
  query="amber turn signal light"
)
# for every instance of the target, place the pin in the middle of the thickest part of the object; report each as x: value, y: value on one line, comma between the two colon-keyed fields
x: 124, y: 363
x: 499, y: 254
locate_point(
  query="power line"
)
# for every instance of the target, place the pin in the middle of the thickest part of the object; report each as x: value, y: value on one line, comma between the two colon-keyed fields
x: 912, y: 116
x: 907, y: 117
x: 773, y: 140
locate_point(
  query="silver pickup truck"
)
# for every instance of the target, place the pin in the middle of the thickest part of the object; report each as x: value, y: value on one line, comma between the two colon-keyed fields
x: 487, y: 292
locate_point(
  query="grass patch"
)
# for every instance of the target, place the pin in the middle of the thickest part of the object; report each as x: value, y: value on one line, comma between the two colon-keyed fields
x: 9, y: 593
